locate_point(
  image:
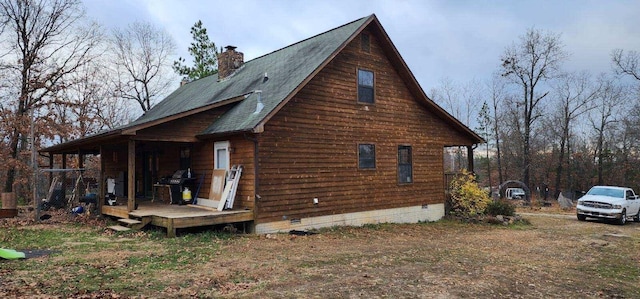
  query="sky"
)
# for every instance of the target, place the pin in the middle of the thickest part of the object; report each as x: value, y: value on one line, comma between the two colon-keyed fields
x: 458, y: 40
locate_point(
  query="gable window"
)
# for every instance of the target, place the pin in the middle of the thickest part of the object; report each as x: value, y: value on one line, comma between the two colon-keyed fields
x: 405, y: 164
x: 366, y: 156
x: 365, y: 86
x: 365, y: 43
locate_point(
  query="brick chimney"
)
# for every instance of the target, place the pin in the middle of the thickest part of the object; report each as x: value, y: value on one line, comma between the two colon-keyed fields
x: 229, y: 61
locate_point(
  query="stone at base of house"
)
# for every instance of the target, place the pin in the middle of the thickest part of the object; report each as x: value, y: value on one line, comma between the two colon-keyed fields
x: 425, y: 213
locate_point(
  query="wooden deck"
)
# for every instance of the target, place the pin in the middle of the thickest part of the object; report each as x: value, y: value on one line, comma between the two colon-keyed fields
x: 173, y: 217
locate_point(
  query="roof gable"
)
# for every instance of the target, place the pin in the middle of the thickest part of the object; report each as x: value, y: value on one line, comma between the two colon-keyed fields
x: 309, y: 57
x: 287, y: 70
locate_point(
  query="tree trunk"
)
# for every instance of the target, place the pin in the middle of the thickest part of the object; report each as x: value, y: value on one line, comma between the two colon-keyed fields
x: 497, y: 134
x: 11, y: 169
x: 559, y: 169
x: 600, y: 155
x: 563, y: 143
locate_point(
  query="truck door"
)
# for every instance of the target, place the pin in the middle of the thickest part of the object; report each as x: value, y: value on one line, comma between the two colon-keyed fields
x: 634, y: 204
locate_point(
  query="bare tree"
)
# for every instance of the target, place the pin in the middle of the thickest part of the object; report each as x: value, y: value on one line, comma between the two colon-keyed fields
x: 535, y: 59
x: 447, y: 95
x: 575, y: 93
x: 91, y: 106
x: 463, y: 101
x: 497, y: 93
x: 142, y: 55
x: 627, y: 64
x: 43, y: 41
x: 609, y: 100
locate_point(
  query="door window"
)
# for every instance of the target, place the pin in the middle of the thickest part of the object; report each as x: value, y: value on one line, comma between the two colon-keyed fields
x: 221, y: 155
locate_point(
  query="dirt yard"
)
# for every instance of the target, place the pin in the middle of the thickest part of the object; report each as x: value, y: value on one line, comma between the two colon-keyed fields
x: 555, y: 256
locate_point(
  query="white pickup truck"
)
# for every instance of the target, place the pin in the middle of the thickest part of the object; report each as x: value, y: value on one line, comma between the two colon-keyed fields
x: 608, y: 202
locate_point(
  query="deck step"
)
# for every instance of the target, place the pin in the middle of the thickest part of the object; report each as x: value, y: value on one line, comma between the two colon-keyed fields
x: 129, y: 221
x: 119, y: 228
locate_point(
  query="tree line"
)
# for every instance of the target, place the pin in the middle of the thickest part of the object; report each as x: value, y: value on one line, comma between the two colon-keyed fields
x: 550, y: 128
x: 64, y: 77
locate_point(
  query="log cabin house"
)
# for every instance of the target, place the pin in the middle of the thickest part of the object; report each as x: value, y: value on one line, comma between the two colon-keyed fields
x: 331, y: 130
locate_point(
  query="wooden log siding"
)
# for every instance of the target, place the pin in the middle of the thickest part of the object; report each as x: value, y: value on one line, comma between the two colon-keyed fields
x: 310, y: 148
x: 115, y: 160
x: 242, y: 153
x: 183, y: 129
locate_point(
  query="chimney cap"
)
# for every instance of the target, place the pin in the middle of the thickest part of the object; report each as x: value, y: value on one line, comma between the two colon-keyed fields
x: 230, y: 48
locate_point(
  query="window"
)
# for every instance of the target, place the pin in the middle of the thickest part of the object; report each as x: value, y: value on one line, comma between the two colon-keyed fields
x: 365, y: 43
x: 405, y: 165
x: 221, y: 155
x: 366, y: 156
x: 365, y: 86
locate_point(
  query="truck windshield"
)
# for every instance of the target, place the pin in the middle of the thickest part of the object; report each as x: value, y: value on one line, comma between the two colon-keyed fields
x: 619, y: 193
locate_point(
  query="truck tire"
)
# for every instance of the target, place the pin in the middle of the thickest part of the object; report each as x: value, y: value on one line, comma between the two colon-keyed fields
x: 623, y: 217
x: 582, y: 217
x: 636, y: 218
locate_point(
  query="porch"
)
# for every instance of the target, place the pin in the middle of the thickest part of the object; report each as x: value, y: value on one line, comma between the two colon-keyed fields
x: 173, y: 217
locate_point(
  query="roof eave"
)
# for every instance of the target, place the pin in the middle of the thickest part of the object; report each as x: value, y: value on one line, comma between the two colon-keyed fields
x: 76, y: 145
x: 133, y: 129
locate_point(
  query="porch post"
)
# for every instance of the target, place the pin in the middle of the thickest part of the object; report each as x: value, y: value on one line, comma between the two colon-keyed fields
x: 470, y: 158
x: 80, y: 160
x: 101, y: 192
x: 64, y: 177
x: 50, y: 167
x: 131, y: 169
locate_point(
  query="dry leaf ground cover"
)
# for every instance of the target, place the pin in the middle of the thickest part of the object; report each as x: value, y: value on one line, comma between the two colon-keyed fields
x: 555, y: 256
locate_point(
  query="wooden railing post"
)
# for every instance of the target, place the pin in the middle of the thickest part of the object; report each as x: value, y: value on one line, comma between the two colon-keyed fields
x: 131, y: 169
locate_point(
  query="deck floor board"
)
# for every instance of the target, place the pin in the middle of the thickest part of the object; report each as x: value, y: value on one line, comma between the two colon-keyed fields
x: 180, y: 216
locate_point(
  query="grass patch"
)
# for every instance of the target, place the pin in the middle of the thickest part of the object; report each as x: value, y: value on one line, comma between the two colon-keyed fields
x: 539, y: 257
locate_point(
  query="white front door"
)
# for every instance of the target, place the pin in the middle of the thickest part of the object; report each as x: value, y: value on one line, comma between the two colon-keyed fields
x: 221, y: 155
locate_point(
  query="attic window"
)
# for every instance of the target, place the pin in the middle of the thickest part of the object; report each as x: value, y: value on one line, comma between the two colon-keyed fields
x: 365, y: 43
x: 365, y: 87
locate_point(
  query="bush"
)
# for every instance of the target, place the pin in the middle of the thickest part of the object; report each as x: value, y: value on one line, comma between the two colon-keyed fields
x: 500, y: 207
x: 467, y: 198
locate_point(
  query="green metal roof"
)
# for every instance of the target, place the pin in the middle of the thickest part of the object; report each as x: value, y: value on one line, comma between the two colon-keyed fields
x: 286, y: 69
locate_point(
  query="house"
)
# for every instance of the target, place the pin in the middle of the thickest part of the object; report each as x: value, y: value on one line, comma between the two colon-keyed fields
x: 332, y: 130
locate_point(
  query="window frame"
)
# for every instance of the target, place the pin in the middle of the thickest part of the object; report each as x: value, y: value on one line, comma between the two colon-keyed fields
x: 221, y: 145
x: 372, y: 87
x: 402, y: 181
x: 374, y: 156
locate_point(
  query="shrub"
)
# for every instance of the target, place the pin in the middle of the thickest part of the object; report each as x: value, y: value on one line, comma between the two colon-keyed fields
x: 467, y: 198
x: 500, y: 207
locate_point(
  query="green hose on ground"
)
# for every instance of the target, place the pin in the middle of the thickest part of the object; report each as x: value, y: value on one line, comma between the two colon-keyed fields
x: 11, y: 254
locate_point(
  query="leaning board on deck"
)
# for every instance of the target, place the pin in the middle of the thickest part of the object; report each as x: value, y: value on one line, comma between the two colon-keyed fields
x: 205, y: 202
x: 217, y: 184
x: 229, y: 193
